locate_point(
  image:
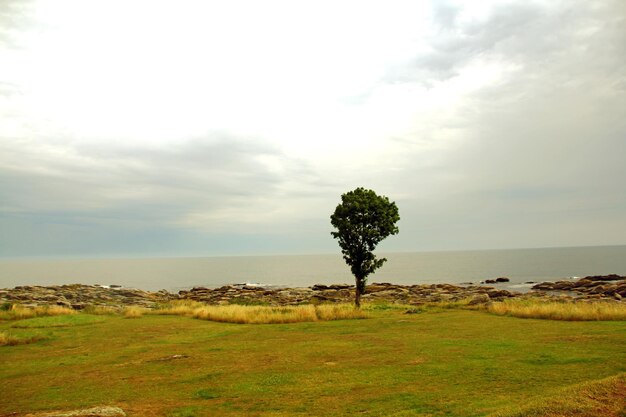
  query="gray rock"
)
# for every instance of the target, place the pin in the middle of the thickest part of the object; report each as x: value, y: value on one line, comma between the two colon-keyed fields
x: 479, y: 299
x: 611, y: 277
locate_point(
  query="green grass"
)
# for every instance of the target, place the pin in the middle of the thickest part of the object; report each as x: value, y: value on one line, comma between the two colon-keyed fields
x: 57, y: 321
x: 440, y: 362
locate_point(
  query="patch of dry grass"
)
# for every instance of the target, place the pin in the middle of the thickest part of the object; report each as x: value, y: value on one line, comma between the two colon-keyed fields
x: 18, y: 312
x: 262, y: 314
x: 605, y: 397
x: 180, y: 308
x: 101, y: 310
x: 134, y: 312
x: 338, y: 312
x: 557, y: 310
x: 10, y: 340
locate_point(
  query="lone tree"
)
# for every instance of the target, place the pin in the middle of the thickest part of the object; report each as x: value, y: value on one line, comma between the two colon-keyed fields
x: 362, y: 220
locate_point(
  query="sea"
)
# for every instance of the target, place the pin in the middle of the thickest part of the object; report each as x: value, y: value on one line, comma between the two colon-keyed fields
x: 522, y: 266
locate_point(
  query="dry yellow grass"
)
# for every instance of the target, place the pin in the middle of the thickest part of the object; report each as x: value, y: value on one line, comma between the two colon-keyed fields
x: 263, y: 314
x: 604, y: 397
x: 101, y: 310
x: 18, y: 312
x: 134, y: 312
x: 10, y: 340
x: 338, y: 312
x: 555, y: 310
x: 180, y: 308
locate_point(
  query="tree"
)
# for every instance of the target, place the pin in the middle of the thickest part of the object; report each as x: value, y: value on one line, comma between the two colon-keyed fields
x: 362, y: 220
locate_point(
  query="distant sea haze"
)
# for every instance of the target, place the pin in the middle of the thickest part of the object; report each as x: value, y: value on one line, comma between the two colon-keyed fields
x: 173, y: 274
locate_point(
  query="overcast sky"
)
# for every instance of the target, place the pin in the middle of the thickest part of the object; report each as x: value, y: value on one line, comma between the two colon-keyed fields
x: 133, y: 128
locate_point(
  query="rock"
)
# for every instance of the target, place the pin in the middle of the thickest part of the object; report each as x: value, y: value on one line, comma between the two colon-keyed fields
x: 611, y: 277
x: 490, y: 281
x: 340, y: 286
x: 90, y: 412
x: 502, y: 279
x: 319, y: 298
x: 479, y: 299
x: 319, y: 287
x: 499, y: 294
x: 586, y: 283
x: 562, y: 285
x: 600, y: 289
x: 544, y: 286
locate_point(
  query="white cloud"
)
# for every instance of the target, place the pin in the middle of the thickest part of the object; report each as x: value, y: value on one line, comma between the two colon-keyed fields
x: 254, y: 116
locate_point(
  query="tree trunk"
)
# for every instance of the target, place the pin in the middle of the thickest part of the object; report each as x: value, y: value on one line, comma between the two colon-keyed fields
x: 357, y: 292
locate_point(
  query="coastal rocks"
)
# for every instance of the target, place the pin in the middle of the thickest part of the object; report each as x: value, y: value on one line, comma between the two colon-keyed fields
x: 78, y: 296
x: 592, y: 287
x: 611, y: 277
x: 85, y: 296
x: 320, y: 287
x: 376, y: 292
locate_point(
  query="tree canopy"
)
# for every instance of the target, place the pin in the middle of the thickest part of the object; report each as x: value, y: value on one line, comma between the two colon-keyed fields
x: 362, y: 221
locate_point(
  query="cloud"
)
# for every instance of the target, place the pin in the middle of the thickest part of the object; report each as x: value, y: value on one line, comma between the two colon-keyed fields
x: 491, y: 124
x: 201, y: 175
x: 535, y: 152
x: 15, y: 15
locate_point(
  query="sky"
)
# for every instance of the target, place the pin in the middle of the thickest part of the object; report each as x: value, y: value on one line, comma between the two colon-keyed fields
x: 195, y: 128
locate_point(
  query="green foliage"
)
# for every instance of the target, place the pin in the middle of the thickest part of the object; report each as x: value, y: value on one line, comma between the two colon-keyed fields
x: 363, y: 220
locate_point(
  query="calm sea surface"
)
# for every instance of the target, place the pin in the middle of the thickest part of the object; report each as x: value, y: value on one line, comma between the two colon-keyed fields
x: 173, y: 274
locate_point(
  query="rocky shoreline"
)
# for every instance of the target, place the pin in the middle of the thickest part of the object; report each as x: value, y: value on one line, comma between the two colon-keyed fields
x: 79, y: 296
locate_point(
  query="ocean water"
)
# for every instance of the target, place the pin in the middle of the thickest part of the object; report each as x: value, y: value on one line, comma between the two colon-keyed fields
x: 173, y: 274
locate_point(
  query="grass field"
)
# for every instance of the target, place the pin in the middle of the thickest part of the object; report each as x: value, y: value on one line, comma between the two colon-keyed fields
x: 439, y: 362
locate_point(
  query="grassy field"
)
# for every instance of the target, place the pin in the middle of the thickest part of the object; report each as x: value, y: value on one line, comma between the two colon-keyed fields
x: 437, y: 362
